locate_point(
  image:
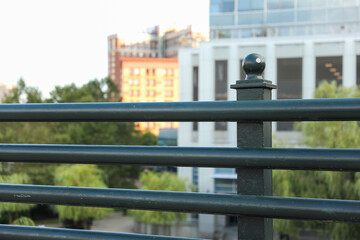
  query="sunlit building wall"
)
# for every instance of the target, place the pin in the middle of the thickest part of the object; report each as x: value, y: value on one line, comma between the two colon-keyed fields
x: 150, y: 80
x: 279, y: 18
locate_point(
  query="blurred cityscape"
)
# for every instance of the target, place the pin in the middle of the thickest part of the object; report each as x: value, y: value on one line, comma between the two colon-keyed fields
x: 304, y: 42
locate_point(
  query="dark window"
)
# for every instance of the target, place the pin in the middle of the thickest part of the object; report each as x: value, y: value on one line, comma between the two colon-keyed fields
x: 195, y: 92
x: 289, y: 72
x: 221, y: 89
x: 358, y: 70
x: 329, y: 69
x: 195, y: 176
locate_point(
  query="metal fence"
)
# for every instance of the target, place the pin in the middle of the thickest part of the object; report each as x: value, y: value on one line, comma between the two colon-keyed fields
x: 253, y: 159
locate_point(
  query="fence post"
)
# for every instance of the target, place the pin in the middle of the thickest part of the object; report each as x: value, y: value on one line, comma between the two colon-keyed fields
x: 254, y: 135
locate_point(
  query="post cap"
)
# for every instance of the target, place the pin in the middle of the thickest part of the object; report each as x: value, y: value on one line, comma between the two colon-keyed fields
x: 253, y: 65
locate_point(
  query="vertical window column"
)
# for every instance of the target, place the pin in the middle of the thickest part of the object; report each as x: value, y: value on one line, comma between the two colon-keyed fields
x: 221, y: 88
x: 195, y: 96
x: 349, y: 63
x: 289, y: 82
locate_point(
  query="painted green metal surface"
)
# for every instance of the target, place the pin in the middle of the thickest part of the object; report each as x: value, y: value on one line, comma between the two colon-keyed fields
x: 250, y: 135
x: 8, y: 232
x: 257, y: 206
x: 274, y: 110
x: 267, y: 158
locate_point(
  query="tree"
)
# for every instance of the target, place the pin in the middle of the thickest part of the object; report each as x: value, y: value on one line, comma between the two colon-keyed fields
x: 101, y: 133
x: 323, y: 184
x: 160, y: 181
x: 94, y: 133
x: 80, y: 176
x: 13, y: 210
x: 24, y: 221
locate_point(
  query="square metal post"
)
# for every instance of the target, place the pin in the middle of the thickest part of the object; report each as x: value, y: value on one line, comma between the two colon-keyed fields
x: 254, y: 135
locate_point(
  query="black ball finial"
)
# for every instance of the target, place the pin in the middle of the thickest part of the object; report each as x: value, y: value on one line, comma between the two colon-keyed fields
x: 253, y: 65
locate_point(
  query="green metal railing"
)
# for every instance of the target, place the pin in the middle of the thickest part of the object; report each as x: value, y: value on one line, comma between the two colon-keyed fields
x: 254, y: 158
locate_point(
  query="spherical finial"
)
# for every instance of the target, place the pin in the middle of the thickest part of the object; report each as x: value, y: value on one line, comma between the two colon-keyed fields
x: 253, y: 65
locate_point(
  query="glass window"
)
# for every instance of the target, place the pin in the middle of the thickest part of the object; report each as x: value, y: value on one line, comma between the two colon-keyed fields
x: 221, y: 88
x: 335, y: 14
x: 223, y: 20
x: 215, y: 6
x: 280, y: 17
x: 195, y: 176
x: 228, y: 6
x: 358, y: 70
x: 225, y: 186
x: 250, y: 5
x: 335, y: 3
x: 329, y: 69
x: 300, y: 31
x: 311, y: 3
x: 250, y: 18
x: 225, y: 170
x: 280, y: 4
x: 195, y: 91
x: 246, y: 33
x: 351, y: 13
x: 244, y: 5
x: 221, y: 6
x: 289, y: 71
x: 224, y: 33
x: 289, y: 77
x: 348, y: 3
x: 311, y: 15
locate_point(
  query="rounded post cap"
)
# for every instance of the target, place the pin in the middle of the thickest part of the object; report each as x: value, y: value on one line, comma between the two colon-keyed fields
x: 253, y: 65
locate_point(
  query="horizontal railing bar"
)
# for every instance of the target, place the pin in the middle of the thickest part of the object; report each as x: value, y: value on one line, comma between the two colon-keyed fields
x: 8, y: 232
x: 257, y: 206
x: 275, y: 158
x: 274, y: 110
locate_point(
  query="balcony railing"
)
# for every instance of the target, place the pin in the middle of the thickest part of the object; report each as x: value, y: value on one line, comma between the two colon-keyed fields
x: 253, y: 159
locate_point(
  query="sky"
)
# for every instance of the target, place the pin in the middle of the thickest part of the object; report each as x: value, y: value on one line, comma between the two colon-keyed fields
x: 58, y: 42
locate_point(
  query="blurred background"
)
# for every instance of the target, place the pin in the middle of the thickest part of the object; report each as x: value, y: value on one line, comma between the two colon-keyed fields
x: 170, y: 50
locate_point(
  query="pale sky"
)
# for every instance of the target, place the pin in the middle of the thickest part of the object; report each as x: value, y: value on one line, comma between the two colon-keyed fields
x: 57, y: 42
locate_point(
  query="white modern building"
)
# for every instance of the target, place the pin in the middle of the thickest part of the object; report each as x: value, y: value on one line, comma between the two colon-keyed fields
x: 281, y: 18
x: 295, y: 65
x: 304, y: 42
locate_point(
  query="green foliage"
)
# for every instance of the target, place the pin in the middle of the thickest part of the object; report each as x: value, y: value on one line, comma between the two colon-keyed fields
x: 14, y: 208
x: 24, y: 221
x: 160, y: 181
x: 94, y: 133
x: 104, y: 133
x: 80, y: 176
x: 323, y: 184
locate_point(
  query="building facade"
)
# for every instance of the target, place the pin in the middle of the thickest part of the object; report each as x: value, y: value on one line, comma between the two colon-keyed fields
x: 295, y: 65
x: 278, y: 18
x: 146, y: 70
x: 149, y: 80
x: 152, y: 44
